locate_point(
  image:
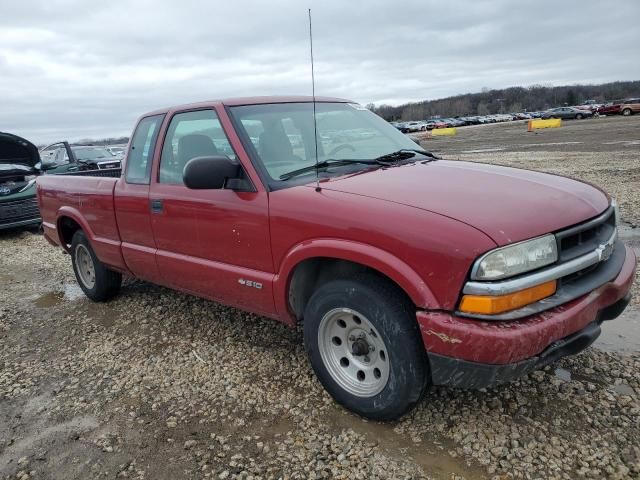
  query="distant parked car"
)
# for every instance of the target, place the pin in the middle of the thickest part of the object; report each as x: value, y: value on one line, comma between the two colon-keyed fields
x: 415, y: 126
x: 467, y: 120
x: 117, y: 151
x: 400, y: 126
x: 567, y: 113
x: 630, y: 106
x: 440, y: 123
x: 610, y: 108
x: 67, y: 158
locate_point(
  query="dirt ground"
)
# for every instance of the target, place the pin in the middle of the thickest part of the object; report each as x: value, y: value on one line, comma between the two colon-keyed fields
x: 161, y: 385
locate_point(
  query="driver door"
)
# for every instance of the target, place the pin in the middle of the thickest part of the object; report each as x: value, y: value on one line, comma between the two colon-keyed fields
x: 209, y: 242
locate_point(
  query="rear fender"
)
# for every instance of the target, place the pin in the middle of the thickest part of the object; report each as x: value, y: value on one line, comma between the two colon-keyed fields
x: 380, y: 260
x: 76, y: 216
x: 107, y: 250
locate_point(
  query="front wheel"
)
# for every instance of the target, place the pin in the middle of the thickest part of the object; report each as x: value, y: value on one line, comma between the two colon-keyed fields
x: 579, y: 116
x: 95, y: 279
x: 626, y: 112
x: 365, y: 347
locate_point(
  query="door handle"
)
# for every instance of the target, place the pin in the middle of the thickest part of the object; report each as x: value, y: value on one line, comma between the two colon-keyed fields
x: 156, y: 206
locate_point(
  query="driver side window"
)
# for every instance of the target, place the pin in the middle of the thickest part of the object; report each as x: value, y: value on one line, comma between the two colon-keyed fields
x: 191, y: 135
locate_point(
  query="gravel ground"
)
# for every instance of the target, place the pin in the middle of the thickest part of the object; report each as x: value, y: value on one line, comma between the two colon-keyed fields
x: 160, y: 385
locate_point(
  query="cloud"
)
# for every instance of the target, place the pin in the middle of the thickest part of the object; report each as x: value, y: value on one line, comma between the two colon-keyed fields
x: 71, y: 69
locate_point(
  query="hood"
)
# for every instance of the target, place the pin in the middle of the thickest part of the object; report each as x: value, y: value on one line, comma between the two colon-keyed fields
x: 507, y: 204
x: 17, y: 155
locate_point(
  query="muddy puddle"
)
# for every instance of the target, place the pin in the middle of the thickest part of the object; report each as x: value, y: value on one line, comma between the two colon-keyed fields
x: 70, y: 293
x: 621, y: 335
x: 99, y: 313
x: 432, y: 456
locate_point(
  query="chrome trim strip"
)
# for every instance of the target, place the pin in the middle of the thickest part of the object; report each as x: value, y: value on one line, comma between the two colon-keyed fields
x: 572, y: 266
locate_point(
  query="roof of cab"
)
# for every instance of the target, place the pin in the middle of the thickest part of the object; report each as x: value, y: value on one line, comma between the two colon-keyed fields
x: 234, y: 102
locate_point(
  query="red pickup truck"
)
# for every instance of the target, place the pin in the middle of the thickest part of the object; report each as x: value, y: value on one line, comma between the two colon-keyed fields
x: 407, y: 270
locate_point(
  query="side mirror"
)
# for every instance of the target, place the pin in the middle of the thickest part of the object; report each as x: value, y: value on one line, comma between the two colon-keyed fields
x: 47, y: 165
x: 207, y: 173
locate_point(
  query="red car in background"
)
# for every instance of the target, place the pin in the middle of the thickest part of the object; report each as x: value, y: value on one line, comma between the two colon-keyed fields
x: 611, y: 108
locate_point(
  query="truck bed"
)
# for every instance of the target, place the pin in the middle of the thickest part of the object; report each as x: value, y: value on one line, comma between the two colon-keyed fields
x: 86, y: 200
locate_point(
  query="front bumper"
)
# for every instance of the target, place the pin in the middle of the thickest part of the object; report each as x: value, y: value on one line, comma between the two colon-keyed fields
x: 476, y: 353
x: 19, y: 213
x: 20, y: 223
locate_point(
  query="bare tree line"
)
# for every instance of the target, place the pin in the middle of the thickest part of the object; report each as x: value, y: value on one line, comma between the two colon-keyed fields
x: 512, y: 99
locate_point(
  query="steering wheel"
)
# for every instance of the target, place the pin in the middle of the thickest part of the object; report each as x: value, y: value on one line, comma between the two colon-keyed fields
x: 344, y: 146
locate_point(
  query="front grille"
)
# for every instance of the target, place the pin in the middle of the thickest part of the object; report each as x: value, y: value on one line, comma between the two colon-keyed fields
x: 108, y: 165
x: 19, y: 210
x: 586, y: 237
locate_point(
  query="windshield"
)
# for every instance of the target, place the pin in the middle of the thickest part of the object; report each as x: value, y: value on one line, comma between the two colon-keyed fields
x: 92, y: 153
x: 282, y: 136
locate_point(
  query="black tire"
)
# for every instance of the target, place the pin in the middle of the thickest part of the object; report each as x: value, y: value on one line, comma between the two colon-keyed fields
x: 579, y: 116
x: 107, y: 282
x: 626, y: 112
x: 393, y: 317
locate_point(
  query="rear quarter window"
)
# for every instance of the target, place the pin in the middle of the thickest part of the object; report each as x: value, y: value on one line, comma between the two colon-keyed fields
x: 138, y: 169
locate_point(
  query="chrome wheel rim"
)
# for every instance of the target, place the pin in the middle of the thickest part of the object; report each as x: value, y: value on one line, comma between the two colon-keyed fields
x: 84, y: 266
x: 353, y: 352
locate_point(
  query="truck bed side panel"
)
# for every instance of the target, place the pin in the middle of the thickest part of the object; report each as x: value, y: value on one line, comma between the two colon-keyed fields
x: 89, y: 202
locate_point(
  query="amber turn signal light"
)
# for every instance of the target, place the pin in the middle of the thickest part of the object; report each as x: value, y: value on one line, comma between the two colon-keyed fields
x: 492, y: 305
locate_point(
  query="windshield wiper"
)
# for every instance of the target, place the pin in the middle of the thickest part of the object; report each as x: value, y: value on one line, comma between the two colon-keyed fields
x: 384, y: 160
x: 403, y: 154
x: 331, y: 162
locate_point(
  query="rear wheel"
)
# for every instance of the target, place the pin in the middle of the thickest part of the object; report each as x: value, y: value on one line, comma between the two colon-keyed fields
x: 364, y: 345
x: 579, y: 116
x: 95, y: 279
x: 626, y: 112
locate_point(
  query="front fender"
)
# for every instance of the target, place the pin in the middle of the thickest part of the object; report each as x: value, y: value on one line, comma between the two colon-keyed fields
x: 361, y: 253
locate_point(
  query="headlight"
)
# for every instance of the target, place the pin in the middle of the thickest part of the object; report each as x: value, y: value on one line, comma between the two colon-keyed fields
x: 515, y: 259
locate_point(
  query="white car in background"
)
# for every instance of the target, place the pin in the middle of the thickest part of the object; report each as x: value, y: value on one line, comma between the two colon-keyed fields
x: 117, y: 151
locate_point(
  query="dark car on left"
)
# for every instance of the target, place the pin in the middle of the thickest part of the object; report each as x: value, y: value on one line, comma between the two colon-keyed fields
x: 19, y: 165
x: 65, y: 158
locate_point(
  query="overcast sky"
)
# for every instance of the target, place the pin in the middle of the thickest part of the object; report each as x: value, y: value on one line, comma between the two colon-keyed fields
x: 72, y: 69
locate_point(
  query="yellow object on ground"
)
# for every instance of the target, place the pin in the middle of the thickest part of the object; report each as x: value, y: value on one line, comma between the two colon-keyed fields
x: 550, y: 123
x: 436, y: 132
